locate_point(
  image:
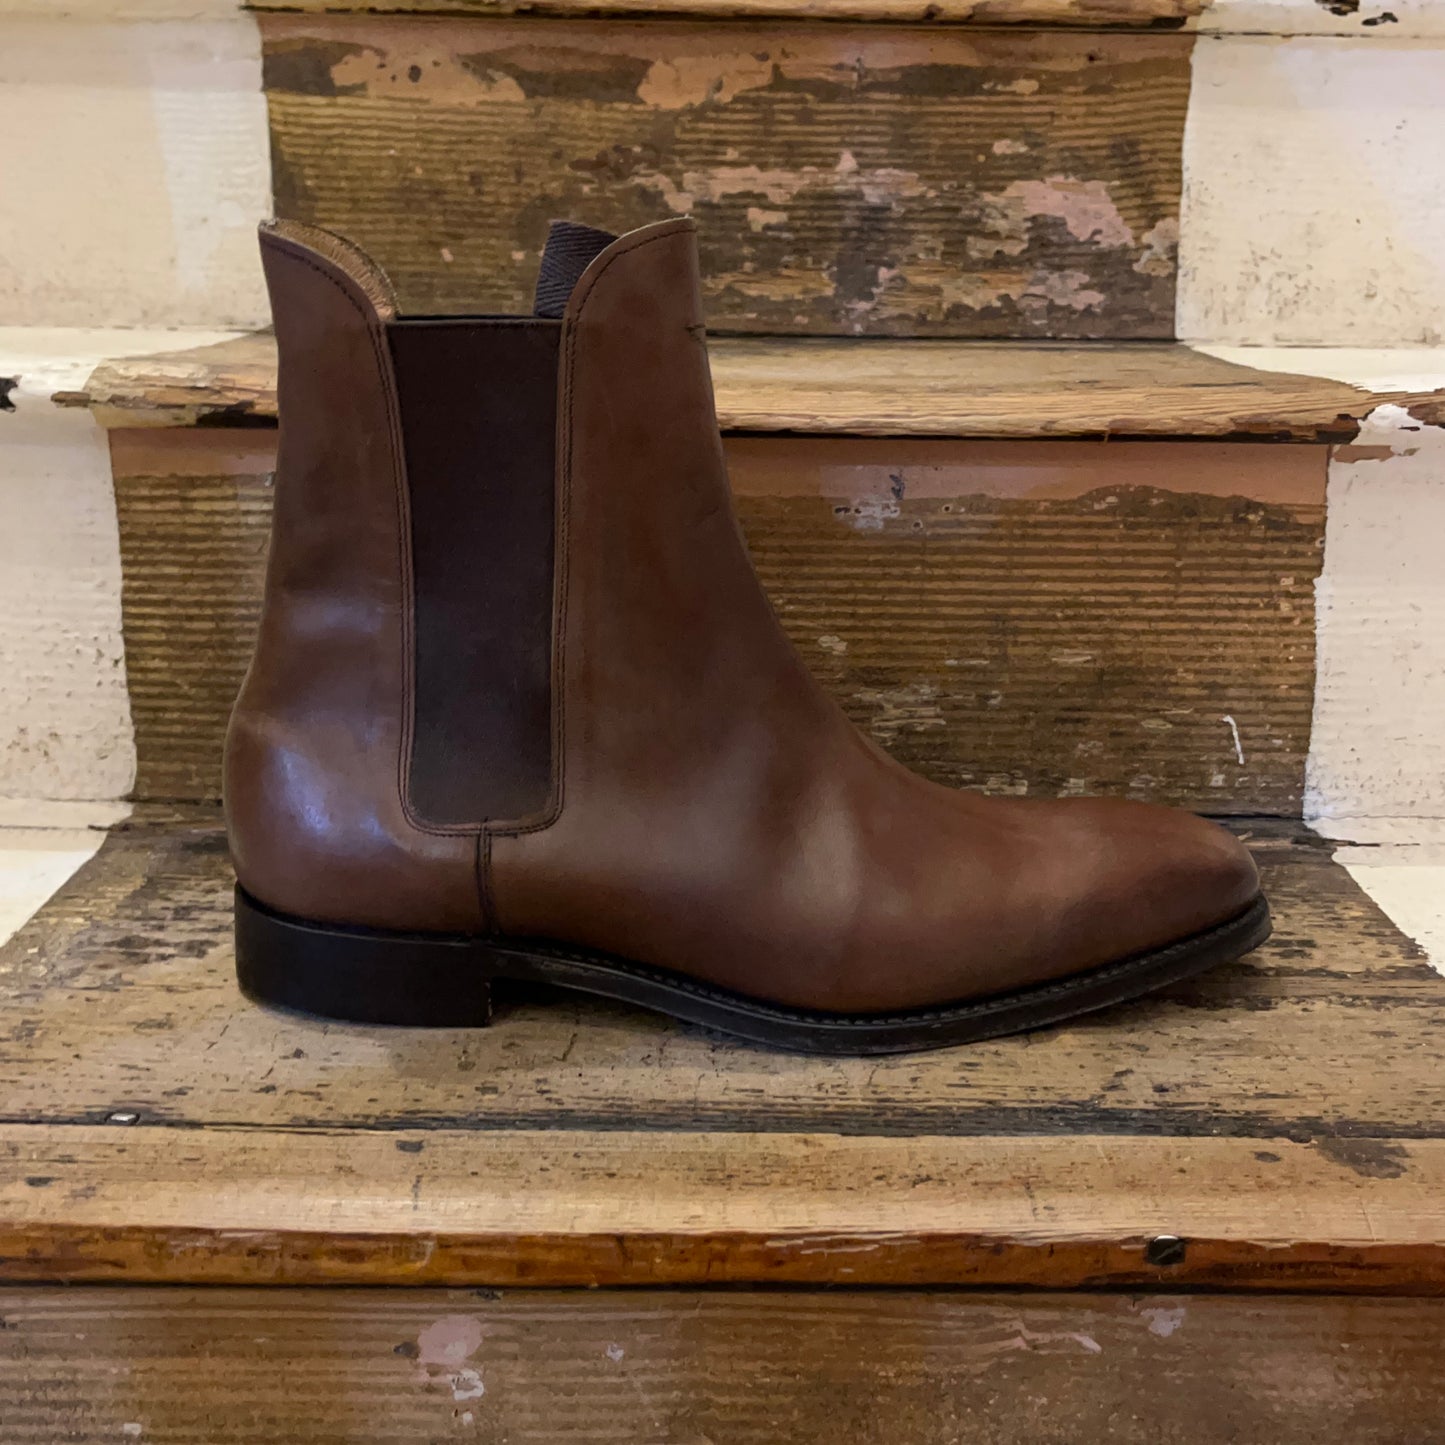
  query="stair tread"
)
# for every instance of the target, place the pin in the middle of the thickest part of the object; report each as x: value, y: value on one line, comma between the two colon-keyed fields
x: 50, y: 362
x: 823, y: 386
x: 815, y: 1367
x: 1302, y: 17
x: 1284, y: 1116
x: 1088, y: 14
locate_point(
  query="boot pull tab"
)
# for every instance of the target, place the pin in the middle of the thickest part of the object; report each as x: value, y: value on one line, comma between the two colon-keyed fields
x: 341, y: 255
x: 571, y: 248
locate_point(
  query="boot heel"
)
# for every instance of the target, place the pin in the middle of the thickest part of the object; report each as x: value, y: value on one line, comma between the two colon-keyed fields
x: 358, y: 974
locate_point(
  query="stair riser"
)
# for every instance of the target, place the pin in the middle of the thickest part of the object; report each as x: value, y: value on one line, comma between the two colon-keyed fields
x: 1030, y: 617
x: 888, y: 180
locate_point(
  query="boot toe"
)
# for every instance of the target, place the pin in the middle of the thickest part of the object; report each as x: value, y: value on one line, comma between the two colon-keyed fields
x: 1160, y: 876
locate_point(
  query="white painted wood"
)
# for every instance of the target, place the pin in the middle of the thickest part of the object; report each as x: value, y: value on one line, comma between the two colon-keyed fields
x: 1376, y: 764
x: 18, y: 814
x: 41, y: 846
x: 1377, y: 368
x: 1314, y: 193
x: 1404, y: 872
x: 1384, y: 19
x: 1366, y: 19
x: 34, y: 863
x: 135, y: 169
x: 112, y: 10
x: 65, y: 728
x: 1376, y: 747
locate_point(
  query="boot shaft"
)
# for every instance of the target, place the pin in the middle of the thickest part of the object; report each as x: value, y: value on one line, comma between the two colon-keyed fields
x: 407, y: 616
x: 402, y: 702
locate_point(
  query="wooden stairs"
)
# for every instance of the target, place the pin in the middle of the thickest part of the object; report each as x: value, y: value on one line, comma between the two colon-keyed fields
x: 1034, y: 545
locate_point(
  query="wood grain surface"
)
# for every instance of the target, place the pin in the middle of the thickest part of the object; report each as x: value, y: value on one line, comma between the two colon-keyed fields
x: 1084, y: 14
x: 822, y: 387
x: 1025, y: 617
x: 227, y: 1366
x: 847, y: 180
x: 194, y: 510
x: 1283, y: 1117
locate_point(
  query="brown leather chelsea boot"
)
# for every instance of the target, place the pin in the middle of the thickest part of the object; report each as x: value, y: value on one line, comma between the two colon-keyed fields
x: 520, y: 709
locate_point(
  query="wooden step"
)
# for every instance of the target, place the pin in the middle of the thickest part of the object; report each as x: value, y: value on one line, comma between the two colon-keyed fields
x: 1083, y: 14
x: 1275, y: 1124
x: 1030, y: 617
x: 1017, y: 614
x: 403, y: 1367
x: 1388, y: 20
x: 825, y: 386
x: 848, y: 179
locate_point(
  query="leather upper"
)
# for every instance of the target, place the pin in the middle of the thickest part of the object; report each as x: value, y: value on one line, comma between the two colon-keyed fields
x: 712, y: 811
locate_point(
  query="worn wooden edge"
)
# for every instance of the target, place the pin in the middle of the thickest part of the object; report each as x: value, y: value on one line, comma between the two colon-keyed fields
x: 811, y: 1367
x: 997, y: 390
x: 1207, y: 17
x: 148, y: 1204
x: 1076, y: 14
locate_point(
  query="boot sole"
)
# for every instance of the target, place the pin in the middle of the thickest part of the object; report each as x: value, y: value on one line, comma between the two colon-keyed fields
x: 366, y: 976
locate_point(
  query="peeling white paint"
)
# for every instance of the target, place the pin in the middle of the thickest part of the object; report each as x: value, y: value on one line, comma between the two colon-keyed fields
x: 1380, y: 602
x: 1406, y: 877
x: 1164, y: 1321
x: 467, y: 1385
x: 868, y: 514
x: 1314, y: 193
x: 1234, y: 735
x: 136, y: 168
x: 1384, y: 20
x: 1375, y: 758
x: 445, y: 1346
x: 1085, y: 207
x: 449, y: 1340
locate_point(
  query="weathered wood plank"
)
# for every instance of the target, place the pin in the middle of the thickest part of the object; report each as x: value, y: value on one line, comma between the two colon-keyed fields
x: 1085, y: 14
x: 567, y: 1208
x: 194, y: 510
x: 1021, y: 617
x: 121, y: 995
x: 227, y: 1366
x: 873, y: 388
x: 558, y: 1207
x: 1022, y: 389
x: 849, y: 180
x: 1284, y: 1117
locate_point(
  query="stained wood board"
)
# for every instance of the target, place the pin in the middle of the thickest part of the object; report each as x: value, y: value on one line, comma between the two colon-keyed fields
x: 227, y: 1366
x: 1282, y: 1116
x: 1024, y: 617
x: 847, y: 180
x: 1289, y: 18
x: 865, y: 388
x: 1085, y: 14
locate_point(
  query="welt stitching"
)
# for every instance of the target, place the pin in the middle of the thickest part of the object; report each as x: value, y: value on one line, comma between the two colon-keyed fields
x: 759, y: 1008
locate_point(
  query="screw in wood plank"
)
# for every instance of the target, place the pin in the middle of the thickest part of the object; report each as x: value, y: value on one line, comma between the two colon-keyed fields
x: 1164, y: 1249
x: 123, y: 1116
